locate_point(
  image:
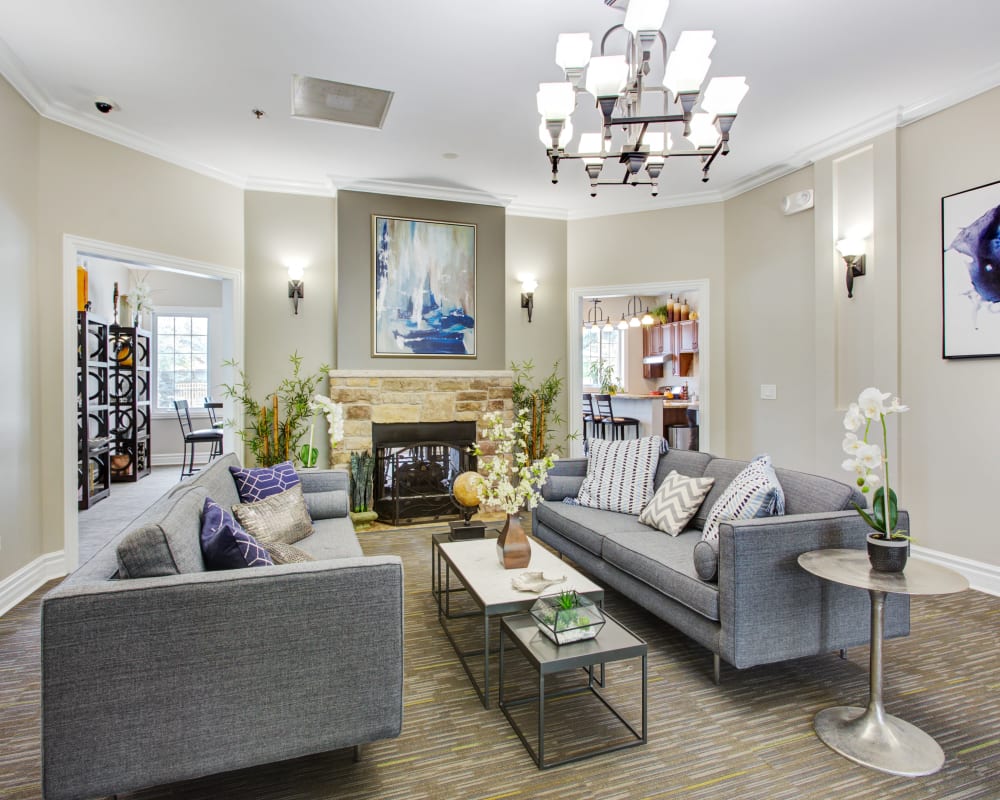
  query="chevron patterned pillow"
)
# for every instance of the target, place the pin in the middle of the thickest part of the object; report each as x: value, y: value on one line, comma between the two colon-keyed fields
x: 620, y: 474
x: 755, y: 492
x: 675, y: 502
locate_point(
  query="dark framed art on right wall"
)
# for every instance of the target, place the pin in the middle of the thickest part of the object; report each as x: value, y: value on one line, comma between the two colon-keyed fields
x: 970, y: 272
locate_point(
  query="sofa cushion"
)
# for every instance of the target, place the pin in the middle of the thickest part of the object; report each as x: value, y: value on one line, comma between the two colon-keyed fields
x: 675, y: 502
x: 620, y: 474
x: 328, y: 504
x: 586, y: 527
x: 215, y: 479
x: 281, y: 517
x: 166, y: 543
x: 333, y: 538
x: 224, y: 543
x: 258, y: 483
x: 706, y: 560
x: 754, y: 492
x: 282, y: 553
x: 666, y: 564
x: 685, y: 462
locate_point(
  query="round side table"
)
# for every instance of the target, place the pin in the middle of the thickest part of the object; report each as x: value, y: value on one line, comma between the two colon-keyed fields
x: 869, y: 735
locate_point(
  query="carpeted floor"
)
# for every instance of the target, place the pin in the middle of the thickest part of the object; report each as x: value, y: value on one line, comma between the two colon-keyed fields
x: 751, y: 737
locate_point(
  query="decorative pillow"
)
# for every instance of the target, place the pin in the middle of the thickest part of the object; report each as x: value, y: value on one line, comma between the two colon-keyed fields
x: 224, y: 544
x: 260, y: 482
x: 755, y: 492
x: 282, y: 553
x: 620, y: 474
x: 675, y: 502
x: 278, y: 518
x: 327, y: 505
x: 706, y: 560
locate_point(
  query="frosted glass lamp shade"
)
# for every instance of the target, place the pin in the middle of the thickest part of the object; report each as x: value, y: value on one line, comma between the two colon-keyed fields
x: 606, y: 76
x: 556, y: 100
x: 685, y: 72
x: 295, y: 272
x: 622, y: 324
x: 529, y: 284
x: 703, y: 131
x: 645, y: 15
x: 591, y: 143
x: 723, y: 95
x: 608, y: 326
x: 851, y: 247
x: 573, y: 50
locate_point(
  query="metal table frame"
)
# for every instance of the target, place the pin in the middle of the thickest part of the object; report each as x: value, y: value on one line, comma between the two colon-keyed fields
x: 868, y: 735
x: 562, y: 658
x: 441, y: 570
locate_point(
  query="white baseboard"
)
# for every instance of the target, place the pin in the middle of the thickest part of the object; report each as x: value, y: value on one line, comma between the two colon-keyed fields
x: 26, y: 580
x: 981, y: 576
x: 177, y: 459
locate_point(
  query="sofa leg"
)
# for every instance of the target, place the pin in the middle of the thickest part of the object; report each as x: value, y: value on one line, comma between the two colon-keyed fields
x: 843, y: 652
x: 716, y: 669
x: 357, y: 753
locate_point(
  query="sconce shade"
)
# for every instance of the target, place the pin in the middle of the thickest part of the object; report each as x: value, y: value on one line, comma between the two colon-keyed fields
x: 853, y: 252
x: 851, y: 247
x: 529, y: 285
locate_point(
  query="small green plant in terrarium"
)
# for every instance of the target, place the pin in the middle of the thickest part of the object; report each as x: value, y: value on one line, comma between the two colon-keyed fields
x: 567, y: 617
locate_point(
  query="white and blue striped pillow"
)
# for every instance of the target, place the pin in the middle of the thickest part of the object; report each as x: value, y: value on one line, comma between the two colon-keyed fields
x: 620, y: 474
x: 755, y: 492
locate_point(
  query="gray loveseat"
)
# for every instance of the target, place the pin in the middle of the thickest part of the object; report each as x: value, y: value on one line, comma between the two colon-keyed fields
x: 762, y: 607
x: 153, y: 680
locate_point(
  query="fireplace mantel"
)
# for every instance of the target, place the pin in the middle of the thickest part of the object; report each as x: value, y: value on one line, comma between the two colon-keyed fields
x: 415, y: 396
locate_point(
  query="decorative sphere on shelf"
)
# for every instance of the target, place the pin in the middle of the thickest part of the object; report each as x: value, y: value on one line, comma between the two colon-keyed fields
x: 465, y: 489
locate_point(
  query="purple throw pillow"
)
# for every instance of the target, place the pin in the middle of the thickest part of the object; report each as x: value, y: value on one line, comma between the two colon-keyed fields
x: 260, y: 482
x: 224, y: 543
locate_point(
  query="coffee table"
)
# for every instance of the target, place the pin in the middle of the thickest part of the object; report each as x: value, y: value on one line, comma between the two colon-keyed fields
x: 615, y: 642
x: 869, y: 736
x: 475, y: 566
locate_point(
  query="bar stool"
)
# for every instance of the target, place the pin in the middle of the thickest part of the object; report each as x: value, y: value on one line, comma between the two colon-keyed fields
x: 588, y: 417
x: 607, y: 417
x: 212, y: 436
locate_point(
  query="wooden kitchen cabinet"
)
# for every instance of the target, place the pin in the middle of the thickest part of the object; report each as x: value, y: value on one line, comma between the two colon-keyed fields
x: 687, y: 336
x: 652, y: 347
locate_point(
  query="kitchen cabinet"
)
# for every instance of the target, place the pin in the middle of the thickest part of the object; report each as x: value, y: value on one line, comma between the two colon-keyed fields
x: 687, y: 336
x: 652, y: 348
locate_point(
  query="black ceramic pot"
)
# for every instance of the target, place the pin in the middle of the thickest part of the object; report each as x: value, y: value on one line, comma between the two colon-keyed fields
x: 888, y: 555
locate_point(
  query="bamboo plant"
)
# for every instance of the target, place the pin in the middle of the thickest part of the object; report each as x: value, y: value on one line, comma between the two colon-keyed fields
x: 540, y: 404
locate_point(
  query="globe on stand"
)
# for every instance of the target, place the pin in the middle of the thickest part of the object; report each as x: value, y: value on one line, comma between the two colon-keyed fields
x: 464, y: 491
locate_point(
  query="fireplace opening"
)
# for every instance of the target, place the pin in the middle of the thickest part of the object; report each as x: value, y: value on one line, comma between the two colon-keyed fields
x: 416, y: 464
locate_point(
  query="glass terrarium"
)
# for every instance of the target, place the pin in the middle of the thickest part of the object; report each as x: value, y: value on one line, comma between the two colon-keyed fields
x: 567, y: 617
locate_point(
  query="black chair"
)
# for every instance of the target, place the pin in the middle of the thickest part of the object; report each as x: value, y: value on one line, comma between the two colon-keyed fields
x: 588, y: 418
x: 217, y: 424
x: 192, y: 437
x: 608, y: 418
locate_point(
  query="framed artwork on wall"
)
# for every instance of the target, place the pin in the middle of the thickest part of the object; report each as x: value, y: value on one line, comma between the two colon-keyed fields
x: 423, y: 288
x: 970, y: 272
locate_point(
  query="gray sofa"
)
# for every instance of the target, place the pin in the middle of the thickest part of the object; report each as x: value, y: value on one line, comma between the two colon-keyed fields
x: 153, y: 680
x: 762, y: 607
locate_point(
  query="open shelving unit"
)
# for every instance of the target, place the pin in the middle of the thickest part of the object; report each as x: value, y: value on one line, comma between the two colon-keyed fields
x: 130, y: 404
x: 93, y: 465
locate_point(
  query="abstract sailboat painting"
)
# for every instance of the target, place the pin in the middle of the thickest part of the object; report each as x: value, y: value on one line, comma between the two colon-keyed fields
x: 424, y: 288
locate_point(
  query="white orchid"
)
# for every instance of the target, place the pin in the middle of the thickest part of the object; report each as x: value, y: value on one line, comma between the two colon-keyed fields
x: 896, y: 407
x: 869, y: 456
x: 853, y: 419
x: 851, y: 444
x: 334, y: 413
x: 872, y: 402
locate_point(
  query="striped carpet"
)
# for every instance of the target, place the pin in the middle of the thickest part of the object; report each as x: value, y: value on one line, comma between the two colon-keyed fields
x: 751, y: 737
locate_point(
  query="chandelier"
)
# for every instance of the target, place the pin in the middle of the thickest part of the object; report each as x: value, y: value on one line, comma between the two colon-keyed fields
x: 626, y: 91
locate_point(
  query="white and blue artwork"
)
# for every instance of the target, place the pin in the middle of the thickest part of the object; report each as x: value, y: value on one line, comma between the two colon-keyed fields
x: 970, y: 237
x: 424, y: 288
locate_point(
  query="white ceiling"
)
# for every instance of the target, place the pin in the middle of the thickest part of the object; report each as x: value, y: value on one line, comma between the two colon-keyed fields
x: 186, y: 74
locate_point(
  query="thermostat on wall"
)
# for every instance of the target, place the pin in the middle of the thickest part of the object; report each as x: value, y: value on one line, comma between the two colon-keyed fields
x: 797, y: 201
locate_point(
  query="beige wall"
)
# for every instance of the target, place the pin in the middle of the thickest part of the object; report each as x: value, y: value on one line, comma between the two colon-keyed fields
x: 354, y: 279
x: 950, y: 438
x: 21, y: 310
x: 280, y: 227
x: 92, y: 188
x: 538, y: 247
x: 677, y: 244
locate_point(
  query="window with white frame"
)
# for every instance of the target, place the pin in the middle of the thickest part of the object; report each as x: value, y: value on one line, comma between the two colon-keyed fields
x: 181, y: 345
x: 602, y: 349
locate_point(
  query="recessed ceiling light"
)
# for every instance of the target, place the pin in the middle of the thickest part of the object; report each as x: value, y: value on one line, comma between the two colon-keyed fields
x: 449, y: 156
x: 329, y: 101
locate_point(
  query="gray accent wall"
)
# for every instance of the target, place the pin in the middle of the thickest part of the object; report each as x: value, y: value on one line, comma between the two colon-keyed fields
x: 354, y: 279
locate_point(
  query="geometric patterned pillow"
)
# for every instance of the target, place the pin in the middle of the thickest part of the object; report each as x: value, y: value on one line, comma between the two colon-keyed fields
x: 282, y: 553
x: 224, y: 543
x: 279, y: 518
x: 620, y: 474
x: 675, y: 502
x: 260, y: 482
x: 755, y: 492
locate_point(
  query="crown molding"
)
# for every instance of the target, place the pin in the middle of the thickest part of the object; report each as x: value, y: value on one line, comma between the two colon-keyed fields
x: 312, y: 188
x: 539, y: 212
x: 421, y: 190
x: 13, y: 70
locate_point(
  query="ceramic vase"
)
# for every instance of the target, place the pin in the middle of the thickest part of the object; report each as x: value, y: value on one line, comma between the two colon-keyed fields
x: 888, y: 555
x: 513, y: 547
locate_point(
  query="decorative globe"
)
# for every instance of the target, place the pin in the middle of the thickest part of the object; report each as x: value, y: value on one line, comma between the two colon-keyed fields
x: 465, y: 489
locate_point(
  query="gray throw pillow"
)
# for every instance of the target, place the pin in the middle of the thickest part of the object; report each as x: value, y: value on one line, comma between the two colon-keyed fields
x: 279, y: 518
x: 675, y: 502
x: 328, y: 504
x: 706, y: 560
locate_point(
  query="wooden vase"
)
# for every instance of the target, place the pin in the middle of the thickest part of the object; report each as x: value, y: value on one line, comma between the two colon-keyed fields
x: 513, y: 547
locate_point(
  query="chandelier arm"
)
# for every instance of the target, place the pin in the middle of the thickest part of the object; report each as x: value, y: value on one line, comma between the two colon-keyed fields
x: 608, y: 33
x: 654, y: 120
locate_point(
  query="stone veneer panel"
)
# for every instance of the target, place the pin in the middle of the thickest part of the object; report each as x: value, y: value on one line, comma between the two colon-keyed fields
x: 415, y: 396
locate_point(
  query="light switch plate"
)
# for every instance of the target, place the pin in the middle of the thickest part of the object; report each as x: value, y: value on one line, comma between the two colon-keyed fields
x: 768, y: 391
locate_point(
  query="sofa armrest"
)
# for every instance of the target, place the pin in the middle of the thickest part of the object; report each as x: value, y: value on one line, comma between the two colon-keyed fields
x: 324, y: 480
x: 771, y: 609
x: 216, y: 671
x: 564, y: 479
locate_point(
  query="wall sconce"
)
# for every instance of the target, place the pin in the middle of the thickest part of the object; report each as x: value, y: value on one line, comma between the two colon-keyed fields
x: 296, y: 288
x: 853, y: 253
x: 528, y: 286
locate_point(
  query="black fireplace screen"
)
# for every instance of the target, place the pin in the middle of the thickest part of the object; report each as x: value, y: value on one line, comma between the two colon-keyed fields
x: 415, y: 467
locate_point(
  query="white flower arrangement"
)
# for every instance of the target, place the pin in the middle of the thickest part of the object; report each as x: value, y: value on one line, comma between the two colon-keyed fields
x: 866, y: 458
x: 497, y: 488
x: 141, y: 297
x: 334, y: 413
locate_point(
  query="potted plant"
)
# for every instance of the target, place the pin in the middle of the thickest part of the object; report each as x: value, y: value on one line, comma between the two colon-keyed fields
x: 362, y: 490
x: 511, y: 481
x: 272, y: 428
x: 567, y: 617
x: 888, y: 547
x: 603, y: 375
x: 334, y: 413
x: 539, y: 402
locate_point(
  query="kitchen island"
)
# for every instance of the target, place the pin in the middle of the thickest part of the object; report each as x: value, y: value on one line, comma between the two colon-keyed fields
x: 653, y: 411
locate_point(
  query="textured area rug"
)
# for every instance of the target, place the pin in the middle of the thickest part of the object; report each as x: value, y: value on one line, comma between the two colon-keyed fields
x: 751, y: 737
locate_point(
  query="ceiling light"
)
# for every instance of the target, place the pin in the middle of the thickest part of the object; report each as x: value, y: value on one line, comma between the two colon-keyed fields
x: 626, y: 86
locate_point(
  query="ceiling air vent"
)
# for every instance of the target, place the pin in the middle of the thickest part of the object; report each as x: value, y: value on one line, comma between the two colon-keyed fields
x: 329, y: 101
